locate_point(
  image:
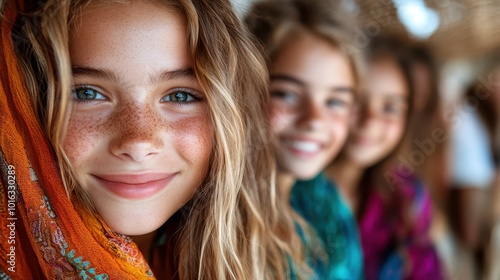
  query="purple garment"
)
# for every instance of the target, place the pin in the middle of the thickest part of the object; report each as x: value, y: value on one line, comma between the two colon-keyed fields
x: 411, y: 255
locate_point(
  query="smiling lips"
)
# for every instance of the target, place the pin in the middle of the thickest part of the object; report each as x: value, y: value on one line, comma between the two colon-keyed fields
x: 135, y: 186
x: 302, y: 147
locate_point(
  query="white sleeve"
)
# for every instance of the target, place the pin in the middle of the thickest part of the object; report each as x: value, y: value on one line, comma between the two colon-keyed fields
x: 472, y: 159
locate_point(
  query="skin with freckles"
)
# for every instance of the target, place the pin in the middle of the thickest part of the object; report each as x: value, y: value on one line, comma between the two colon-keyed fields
x: 139, y: 135
x: 379, y: 126
x: 312, y: 86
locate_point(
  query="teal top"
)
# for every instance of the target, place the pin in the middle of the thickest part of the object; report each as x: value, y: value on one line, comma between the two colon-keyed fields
x: 320, y: 204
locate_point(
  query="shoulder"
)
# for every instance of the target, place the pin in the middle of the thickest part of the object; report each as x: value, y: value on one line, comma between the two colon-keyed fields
x: 408, y: 185
x: 318, y: 186
x: 322, y: 207
x: 415, y: 195
x: 407, y: 190
x: 318, y: 192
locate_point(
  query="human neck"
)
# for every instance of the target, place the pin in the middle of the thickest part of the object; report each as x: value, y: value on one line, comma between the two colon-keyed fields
x: 285, y: 182
x: 144, y: 243
x: 347, y: 176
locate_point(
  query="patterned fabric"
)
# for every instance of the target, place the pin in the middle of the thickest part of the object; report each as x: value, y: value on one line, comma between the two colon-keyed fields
x: 379, y: 228
x: 44, y: 234
x: 319, y: 203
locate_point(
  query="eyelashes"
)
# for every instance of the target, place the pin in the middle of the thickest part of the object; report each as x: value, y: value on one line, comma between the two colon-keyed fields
x: 338, y: 103
x: 293, y: 98
x: 178, y: 96
x: 394, y: 109
x: 86, y: 94
x: 181, y: 96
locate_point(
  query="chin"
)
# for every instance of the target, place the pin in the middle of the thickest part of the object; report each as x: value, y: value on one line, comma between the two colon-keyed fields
x: 130, y: 224
x: 364, y: 162
x: 135, y: 229
x: 305, y: 175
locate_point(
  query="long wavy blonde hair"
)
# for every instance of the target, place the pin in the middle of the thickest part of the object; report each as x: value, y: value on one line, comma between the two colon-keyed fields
x: 234, y: 228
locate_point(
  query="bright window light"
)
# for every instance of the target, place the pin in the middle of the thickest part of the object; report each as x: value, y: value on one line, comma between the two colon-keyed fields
x: 420, y: 20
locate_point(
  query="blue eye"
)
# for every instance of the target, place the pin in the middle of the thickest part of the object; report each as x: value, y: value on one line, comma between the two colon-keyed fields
x: 87, y: 94
x: 335, y: 103
x: 393, y: 109
x: 284, y: 95
x: 180, y: 96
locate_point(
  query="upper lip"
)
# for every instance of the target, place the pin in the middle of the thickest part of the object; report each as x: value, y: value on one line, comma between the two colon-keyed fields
x: 304, y: 139
x: 133, y: 179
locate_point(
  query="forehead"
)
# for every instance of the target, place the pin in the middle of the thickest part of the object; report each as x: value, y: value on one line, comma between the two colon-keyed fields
x: 134, y: 40
x: 113, y: 10
x: 313, y: 60
x: 385, y: 79
x: 107, y: 32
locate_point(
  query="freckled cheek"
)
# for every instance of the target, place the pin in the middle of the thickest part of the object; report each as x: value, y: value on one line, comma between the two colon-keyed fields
x: 192, y: 138
x: 82, y: 138
x: 280, y: 118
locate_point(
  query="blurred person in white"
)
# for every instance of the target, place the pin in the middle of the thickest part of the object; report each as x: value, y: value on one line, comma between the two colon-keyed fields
x: 474, y: 165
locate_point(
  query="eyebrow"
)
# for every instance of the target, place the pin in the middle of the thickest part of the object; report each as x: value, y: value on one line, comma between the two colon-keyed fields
x: 174, y: 74
x: 93, y: 72
x: 396, y: 97
x: 291, y: 79
x: 156, y: 78
x: 287, y: 78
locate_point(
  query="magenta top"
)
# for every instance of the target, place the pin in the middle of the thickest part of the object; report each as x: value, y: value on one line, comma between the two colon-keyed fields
x: 409, y: 256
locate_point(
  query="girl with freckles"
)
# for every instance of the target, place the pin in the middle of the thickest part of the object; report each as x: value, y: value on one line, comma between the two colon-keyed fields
x: 313, y: 82
x: 135, y: 129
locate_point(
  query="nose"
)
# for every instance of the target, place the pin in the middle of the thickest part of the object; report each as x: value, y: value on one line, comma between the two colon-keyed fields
x: 311, y: 116
x: 137, y: 133
x: 365, y: 114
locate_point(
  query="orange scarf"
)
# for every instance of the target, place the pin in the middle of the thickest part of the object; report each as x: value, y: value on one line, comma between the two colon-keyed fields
x: 43, y: 235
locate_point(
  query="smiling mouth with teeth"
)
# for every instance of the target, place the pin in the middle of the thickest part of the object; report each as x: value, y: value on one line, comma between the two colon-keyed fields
x: 303, y: 145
